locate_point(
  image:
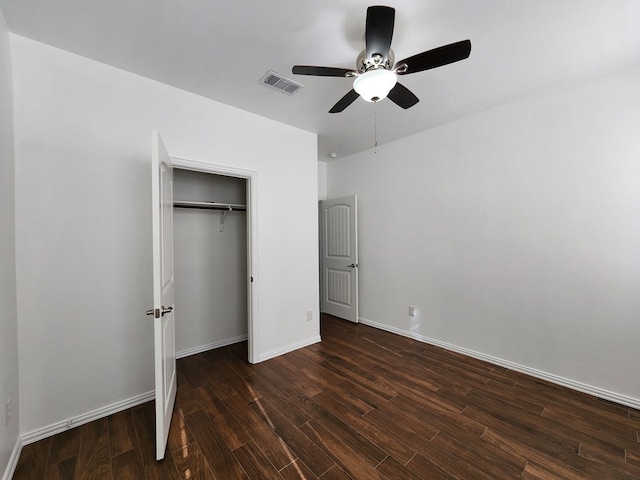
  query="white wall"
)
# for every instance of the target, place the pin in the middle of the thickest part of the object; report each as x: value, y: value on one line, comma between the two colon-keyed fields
x: 8, y: 311
x: 515, y: 232
x: 83, y: 233
x: 322, y: 180
x: 210, y: 265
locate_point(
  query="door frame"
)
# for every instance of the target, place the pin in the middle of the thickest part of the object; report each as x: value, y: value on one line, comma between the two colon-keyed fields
x: 355, y: 310
x: 252, y: 238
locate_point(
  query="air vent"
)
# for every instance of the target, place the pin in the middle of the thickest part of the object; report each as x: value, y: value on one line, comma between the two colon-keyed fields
x: 280, y: 83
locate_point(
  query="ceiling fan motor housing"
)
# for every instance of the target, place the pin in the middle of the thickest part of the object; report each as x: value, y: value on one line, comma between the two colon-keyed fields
x: 364, y: 63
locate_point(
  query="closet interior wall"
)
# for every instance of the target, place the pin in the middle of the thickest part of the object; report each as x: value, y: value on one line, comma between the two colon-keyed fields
x: 210, y: 264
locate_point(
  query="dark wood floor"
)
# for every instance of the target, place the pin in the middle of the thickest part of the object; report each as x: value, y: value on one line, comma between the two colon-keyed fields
x: 363, y: 404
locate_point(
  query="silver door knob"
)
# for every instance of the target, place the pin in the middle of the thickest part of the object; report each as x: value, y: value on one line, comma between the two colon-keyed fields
x: 353, y: 265
x: 166, y: 310
x: 150, y: 312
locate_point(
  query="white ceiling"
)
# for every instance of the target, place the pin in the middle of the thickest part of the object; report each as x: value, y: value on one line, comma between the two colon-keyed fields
x: 220, y: 49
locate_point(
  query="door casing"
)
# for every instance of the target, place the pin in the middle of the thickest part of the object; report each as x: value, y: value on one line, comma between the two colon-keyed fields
x: 252, y: 213
x: 339, y: 297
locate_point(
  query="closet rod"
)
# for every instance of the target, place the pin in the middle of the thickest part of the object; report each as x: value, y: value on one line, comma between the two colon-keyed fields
x: 210, y: 205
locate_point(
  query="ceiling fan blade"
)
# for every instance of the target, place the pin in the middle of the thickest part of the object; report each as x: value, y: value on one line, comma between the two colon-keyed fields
x: 344, y: 102
x: 437, y: 57
x: 322, y: 71
x: 402, y: 96
x: 379, y: 31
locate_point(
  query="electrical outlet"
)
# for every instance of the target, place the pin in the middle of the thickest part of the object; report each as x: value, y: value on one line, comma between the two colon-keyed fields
x: 8, y: 411
x: 309, y: 315
x: 412, y: 311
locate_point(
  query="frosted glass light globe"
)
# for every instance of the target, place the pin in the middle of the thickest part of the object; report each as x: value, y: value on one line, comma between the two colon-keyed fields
x: 375, y: 85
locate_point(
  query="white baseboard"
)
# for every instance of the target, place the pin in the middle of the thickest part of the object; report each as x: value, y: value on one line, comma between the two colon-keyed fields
x: 53, y: 429
x: 289, y: 348
x: 565, y: 382
x: 210, y: 346
x: 13, y: 460
x: 41, y: 433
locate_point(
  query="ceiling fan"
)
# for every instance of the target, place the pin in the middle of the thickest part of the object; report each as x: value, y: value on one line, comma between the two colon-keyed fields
x: 376, y: 75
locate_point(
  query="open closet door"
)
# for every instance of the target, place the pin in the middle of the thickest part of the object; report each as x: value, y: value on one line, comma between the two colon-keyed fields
x: 340, y: 258
x: 163, y: 290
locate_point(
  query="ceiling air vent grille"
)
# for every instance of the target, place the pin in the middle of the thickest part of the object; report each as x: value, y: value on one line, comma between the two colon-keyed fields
x: 280, y: 83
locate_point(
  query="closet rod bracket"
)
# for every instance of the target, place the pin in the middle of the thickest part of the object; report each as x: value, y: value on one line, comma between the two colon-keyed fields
x: 223, y: 213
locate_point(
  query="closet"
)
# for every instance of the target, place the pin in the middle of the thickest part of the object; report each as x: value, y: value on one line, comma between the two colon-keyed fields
x: 210, y: 260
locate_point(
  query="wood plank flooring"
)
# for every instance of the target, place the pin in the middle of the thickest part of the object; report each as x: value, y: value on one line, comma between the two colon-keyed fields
x: 363, y: 404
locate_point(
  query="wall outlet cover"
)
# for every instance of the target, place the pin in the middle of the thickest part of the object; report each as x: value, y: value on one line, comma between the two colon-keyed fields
x: 8, y: 411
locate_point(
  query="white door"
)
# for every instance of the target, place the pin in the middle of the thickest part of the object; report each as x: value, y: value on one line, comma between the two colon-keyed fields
x: 340, y: 257
x: 163, y: 290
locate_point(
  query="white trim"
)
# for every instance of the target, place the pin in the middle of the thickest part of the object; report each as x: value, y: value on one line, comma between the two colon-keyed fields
x: 53, y: 429
x: 208, y: 167
x: 13, y: 461
x: 59, y: 427
x: 289, y: 348
x: 252, y: 239
x: 210, y: 346
x: 565, y: 382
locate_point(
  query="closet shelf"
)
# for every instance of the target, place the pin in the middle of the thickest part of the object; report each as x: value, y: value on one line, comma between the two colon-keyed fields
x: 210, y: 205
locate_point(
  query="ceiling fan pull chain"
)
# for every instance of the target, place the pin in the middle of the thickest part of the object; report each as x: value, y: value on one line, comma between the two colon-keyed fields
x: 375, y: 130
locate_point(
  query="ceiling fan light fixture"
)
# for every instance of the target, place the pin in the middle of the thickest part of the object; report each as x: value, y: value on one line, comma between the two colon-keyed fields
x: 375, y: 85
x: 376, y: 71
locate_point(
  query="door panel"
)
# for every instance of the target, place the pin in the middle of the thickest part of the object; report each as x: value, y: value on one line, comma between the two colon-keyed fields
x: 339, y: 287
x: 163, y: 291
x: 340, y: 258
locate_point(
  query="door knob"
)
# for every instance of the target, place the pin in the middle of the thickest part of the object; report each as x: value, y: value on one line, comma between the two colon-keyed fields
x: 158, y: 312
x: 353, y: 265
